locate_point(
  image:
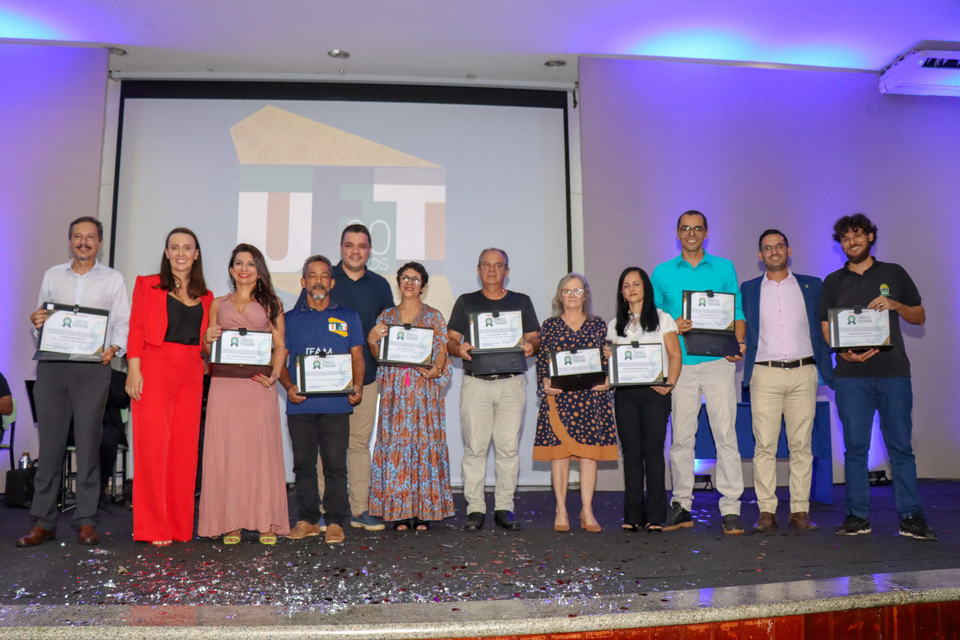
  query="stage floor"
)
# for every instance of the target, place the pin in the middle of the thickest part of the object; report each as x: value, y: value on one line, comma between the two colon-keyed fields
x: 606, y: 572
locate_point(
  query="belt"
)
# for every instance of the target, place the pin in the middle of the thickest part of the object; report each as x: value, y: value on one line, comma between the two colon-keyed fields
x: 792, y: 364
x: 490, y: 376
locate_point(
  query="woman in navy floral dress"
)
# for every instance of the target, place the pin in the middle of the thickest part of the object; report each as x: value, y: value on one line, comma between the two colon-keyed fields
x: 573, y: 425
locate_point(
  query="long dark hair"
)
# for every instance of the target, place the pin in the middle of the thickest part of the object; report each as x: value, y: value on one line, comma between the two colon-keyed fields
x: 197, y: 287
x: 649, y: 319
x: 263, y: 293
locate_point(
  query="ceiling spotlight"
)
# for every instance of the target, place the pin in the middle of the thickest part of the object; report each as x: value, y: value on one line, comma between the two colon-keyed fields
x: 117, y: 51
x: 554, y: 64
x: 338, y: 53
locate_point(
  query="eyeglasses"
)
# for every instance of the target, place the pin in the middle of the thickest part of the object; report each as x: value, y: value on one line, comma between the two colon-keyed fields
x: 576, y: 293
x: 698, y: 230
x: 767, y: 248
x: 413, y: 279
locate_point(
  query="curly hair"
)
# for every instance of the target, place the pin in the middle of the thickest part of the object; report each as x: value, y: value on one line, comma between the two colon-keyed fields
x: 856, y: 222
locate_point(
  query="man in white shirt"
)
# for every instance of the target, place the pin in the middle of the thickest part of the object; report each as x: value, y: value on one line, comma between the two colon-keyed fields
x: 784, y: 352
x: 79, y: 390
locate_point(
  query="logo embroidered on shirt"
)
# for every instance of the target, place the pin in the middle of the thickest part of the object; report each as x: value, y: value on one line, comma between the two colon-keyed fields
x: 338, y: 327
x: 885, y: 291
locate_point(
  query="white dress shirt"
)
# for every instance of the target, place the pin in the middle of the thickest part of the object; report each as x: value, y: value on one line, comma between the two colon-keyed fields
x: 784, y: 329
x: 99, y: 288
x: 635, y: 333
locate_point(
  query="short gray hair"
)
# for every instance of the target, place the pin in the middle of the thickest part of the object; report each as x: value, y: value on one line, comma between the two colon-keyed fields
x: 587, y: 298
x: 506, y: 258
x: 316, y: 258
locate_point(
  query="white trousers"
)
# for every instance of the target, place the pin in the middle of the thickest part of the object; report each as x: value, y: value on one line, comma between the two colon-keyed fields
x: 714, y: 381
x: 790, y: 394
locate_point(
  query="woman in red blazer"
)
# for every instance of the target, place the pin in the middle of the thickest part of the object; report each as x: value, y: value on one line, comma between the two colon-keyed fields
x: 165, y: 380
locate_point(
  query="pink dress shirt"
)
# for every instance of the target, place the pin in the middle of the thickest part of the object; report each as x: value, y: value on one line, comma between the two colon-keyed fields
x: 784, y: 330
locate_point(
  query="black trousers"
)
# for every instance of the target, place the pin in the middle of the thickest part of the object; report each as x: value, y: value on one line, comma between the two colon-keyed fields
x: 642, y: 415
x: 67, y: 390
x: 330, y: 435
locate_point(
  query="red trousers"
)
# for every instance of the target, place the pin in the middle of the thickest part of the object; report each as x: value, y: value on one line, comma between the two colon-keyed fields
x: 166, y: 434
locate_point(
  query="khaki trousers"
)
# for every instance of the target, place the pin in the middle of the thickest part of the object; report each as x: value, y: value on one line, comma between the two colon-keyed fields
x: 491, y: 410
x: 358, y: 453
x: 790, y: 394
x: 714, y: 381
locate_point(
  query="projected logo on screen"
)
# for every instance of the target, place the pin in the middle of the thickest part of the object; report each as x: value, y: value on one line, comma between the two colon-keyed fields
x: 302, y: 181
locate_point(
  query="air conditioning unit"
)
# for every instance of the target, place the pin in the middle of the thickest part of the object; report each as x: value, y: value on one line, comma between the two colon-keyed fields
x: 923, y: 73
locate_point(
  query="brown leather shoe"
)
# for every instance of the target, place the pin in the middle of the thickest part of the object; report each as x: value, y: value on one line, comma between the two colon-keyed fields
x: 801, y: 520
x: 36, y: 536
x: 766, y: 522
x: 88, y: 535
x: 334, y: 534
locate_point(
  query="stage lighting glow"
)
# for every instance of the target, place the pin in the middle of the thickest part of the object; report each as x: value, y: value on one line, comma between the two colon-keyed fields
x: 16, y: 25
x: 707, y: 44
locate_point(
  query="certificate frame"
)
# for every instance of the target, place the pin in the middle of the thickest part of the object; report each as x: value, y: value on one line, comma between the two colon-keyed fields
x: 615, y: 382
x: 74, y: 310
x: 709, y: 342
x: 222, y: 369
x: 385, y: 357
x: 576, y: 381
x: 475, y: 332
x: 835, y: 326
x: 302, y: 363
x: 687, y: 303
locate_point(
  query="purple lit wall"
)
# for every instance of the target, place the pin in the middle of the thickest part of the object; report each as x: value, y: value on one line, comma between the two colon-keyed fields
x: 51, y: 107
x: 758, y: 148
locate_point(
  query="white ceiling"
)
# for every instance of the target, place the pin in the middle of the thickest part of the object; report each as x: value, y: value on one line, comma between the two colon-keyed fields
x: 499, y: 41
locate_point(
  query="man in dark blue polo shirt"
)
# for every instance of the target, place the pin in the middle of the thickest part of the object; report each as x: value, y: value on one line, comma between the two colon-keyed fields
x: 368, y: 294
x: 321, y: 424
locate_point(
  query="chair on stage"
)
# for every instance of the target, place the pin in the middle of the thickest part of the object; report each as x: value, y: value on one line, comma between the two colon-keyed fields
x: 10, y: 424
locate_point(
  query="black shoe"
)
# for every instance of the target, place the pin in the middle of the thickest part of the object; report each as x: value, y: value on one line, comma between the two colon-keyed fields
x: 678, y: 518
x: 504, y: 520
x: 854, y: 526
x: 474, y: 521
x: 916, y: 527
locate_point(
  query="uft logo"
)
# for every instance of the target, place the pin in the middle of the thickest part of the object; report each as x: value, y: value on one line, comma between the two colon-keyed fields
x: 338, y: 327
x: 885, y: 291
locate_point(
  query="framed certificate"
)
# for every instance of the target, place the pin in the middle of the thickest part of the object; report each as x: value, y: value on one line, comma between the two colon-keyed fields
x: 497, y: 331
x: 242, y: 354
x: 325, y: 373
x: 576, y: 369
x: 72, y: 332
x: 713, y: 315
x: 637, y: 364
x: 710, y: 310
x: 859, y: 328
x: 405, y: 344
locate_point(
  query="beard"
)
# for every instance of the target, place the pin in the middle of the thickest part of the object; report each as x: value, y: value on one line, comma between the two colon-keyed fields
x: 318, y: 293
x: 860, y: 257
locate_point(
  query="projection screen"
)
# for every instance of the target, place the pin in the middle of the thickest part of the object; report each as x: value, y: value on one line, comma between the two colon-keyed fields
x: 436, y: 174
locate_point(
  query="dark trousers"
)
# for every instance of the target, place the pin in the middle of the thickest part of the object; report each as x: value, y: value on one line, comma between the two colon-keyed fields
x: 66, y: 390
x: 642, y: 415
x: 330, y: 435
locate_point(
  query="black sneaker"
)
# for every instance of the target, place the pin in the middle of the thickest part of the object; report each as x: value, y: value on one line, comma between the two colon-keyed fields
x: 732, y: 525
x: 916, y: 527
x: 853, y: 526
x: 679, y: 518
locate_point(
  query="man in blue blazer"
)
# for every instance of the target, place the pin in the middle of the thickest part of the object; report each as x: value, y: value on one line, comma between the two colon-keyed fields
x: 785, y: 350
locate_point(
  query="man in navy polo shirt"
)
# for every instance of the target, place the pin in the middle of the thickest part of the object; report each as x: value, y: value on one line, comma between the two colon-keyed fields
x: 874, y: 381
x: 321, y: 424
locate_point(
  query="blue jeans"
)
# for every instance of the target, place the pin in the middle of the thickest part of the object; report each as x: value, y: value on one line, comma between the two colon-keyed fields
x: 857, y: 400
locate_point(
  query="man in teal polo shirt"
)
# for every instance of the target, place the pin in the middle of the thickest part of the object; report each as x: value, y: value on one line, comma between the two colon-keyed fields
x: 707, y: 376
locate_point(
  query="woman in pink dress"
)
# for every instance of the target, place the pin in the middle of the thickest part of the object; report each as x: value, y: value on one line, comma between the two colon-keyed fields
x: 244, y: 483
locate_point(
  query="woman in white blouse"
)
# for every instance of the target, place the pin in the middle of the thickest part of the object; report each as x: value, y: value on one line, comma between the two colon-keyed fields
x: 642, y: 411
